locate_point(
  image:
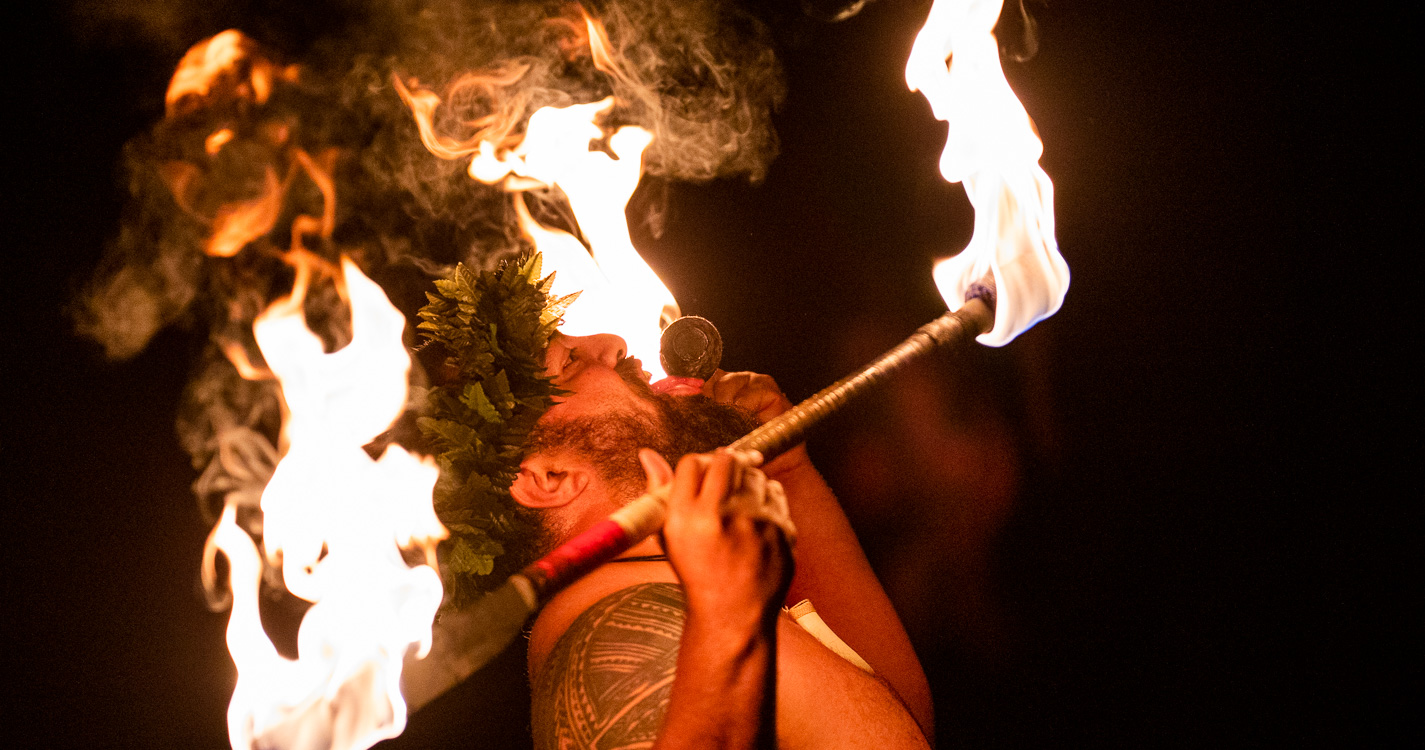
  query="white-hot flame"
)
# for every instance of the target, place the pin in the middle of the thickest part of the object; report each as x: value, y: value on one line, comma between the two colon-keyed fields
x: 992, y: 148
x: 620, y: 293
x: 336, y: 523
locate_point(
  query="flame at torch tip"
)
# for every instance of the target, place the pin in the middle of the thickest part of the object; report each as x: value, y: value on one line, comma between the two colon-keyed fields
x: 992, y: 148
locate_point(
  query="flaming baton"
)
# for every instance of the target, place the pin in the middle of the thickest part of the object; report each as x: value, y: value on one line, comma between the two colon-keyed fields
x: 338, y: 523
x: 1008, y: 278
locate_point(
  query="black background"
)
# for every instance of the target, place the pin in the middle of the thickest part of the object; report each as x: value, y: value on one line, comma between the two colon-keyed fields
x: 1197, y: 549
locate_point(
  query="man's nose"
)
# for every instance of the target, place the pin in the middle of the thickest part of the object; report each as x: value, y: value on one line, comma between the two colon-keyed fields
x: 604, y: 348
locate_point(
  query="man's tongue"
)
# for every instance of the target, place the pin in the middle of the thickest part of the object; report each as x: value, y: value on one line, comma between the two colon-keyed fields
x: 677, y: 386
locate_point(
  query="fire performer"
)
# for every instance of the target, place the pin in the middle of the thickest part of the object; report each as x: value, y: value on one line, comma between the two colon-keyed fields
x: 559, y: 431
x: 683, y: 641
x: 680, y: 646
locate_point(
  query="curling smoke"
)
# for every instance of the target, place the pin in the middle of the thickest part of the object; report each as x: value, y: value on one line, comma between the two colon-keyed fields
x: 305, y: 145
x: 700, y: 75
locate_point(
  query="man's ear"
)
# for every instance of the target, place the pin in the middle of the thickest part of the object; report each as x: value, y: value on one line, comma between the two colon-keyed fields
x: 544, y: 482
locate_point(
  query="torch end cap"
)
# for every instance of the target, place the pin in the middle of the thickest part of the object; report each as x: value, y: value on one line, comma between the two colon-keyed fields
x: 690, y: 347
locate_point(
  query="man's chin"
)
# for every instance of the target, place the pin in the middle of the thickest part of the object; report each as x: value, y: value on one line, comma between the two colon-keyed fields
x: 697, y: 424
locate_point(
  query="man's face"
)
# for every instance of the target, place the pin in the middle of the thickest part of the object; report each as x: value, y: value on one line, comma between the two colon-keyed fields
x: 610, y: 412
x: 599, y: 378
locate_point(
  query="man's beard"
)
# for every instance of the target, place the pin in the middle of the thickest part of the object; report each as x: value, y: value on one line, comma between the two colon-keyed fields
x: 685, y: 424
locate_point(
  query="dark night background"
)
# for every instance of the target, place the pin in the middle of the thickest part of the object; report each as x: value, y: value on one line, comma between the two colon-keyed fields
x: 1158, y: 518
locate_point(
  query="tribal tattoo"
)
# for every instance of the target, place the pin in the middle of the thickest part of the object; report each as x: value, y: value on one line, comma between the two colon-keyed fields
x: 607, y: 682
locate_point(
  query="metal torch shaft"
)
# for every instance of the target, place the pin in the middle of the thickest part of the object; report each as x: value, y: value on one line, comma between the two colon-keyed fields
x: 790, y: 427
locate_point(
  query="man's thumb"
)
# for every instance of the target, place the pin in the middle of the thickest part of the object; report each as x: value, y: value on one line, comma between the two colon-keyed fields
x: 659, y: 473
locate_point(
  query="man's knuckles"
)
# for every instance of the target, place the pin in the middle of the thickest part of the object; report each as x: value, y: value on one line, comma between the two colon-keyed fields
x: 692, y: 463
x: 731, y: 387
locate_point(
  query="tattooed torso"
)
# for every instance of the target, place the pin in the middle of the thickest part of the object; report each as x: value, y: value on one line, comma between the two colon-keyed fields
x: 606, y: 683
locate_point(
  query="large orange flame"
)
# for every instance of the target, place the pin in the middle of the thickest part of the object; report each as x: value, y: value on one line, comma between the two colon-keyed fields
x: 992, y: 148
x: 621, y: 293
x: 335, y: 522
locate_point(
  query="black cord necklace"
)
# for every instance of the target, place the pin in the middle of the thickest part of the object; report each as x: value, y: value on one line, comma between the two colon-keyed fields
x: 641, y: 558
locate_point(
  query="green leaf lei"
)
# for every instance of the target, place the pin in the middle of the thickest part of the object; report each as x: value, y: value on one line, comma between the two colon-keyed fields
x: 493, y: 327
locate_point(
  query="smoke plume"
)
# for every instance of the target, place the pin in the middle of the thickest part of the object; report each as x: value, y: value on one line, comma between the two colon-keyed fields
x: 291, y: 136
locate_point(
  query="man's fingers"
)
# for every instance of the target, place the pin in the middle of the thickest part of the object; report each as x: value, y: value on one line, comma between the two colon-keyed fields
x: 688, y: 483
x: 719, y: 488
x: 711, y: 383
x: 656, y: 469
x: 754, y: 496
x: 720, y: 481
x: 754, y: 392
x: 754, y: 491
x: 764, y: 499
x: 727, y: 387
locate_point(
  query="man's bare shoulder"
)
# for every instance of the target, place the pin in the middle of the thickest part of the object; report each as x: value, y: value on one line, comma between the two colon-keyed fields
x: 606, y: 682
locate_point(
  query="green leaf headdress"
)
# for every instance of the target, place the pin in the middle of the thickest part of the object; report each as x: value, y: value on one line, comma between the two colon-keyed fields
x: 493, y: 328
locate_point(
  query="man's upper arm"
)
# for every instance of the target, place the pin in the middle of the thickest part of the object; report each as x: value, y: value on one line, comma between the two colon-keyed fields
x: 606, y: 683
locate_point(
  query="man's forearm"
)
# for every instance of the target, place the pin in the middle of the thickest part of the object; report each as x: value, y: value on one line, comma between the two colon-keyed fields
x: 725, y: 693
x: 833, y: 572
